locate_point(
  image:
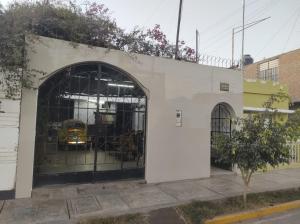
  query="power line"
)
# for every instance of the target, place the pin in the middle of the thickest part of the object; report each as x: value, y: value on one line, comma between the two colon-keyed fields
x: 171, y: 22
x: 156, y: 10
x: 253, y: 14
x: 290, y: 34
x: 242, y: 29
x: 217, y: 23
x: 219, y: 40
x: 224, y: 32
x: 277, y: 32
x: 220, y: 44
x: 261, y: 11
x: 226, y: 17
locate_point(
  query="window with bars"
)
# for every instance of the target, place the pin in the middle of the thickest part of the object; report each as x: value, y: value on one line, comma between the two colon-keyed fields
x: 269, y: 70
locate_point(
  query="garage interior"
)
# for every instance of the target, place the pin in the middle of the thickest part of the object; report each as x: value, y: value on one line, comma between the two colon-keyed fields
x: 91, y: 122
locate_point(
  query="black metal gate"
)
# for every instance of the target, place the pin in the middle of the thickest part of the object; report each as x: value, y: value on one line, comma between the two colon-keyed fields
x: 221, y: 124
x: 90, y: 126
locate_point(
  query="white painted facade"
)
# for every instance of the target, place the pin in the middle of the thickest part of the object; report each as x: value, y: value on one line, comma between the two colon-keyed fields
x: 172, y: 153
x: 9, y: 132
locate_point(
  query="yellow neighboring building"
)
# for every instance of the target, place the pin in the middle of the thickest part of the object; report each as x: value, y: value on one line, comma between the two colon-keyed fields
x: 257, y: 92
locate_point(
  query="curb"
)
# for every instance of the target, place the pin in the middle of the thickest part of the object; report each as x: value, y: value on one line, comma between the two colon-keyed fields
x: 233, y: 218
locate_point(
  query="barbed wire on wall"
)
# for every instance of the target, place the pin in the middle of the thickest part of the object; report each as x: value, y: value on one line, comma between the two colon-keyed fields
x: 217, y: 61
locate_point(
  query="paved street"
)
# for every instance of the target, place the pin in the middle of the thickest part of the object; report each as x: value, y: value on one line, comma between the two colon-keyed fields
x: 290, y: 217
x: 65, y: 204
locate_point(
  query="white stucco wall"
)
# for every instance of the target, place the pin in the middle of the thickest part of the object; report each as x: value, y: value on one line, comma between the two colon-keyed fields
x: 172, y: 153
x: 9, y: 135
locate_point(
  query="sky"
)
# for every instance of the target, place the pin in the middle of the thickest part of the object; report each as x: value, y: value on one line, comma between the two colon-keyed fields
x: 215, y: 19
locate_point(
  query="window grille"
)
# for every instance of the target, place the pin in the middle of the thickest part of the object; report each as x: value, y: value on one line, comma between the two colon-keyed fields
x: 269, y: 70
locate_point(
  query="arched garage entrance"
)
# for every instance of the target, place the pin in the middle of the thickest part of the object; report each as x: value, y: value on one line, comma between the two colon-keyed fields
x: 221, y: 124
x: 90, y: 126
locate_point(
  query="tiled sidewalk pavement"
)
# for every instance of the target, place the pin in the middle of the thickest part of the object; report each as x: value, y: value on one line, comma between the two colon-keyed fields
x: 68, y: 203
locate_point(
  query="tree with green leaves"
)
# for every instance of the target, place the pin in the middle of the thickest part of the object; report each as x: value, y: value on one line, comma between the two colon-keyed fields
x: 257, y: 141
x: 255, y: 144
x: 89, y: 24
x: 293, y: 126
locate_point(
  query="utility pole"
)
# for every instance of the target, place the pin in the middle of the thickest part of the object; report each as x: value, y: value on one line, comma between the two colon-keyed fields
x: 178, y: 29
x: 232, y: 48
x: 238, y: 29
x: 243, y: 39
x: 197, y: 46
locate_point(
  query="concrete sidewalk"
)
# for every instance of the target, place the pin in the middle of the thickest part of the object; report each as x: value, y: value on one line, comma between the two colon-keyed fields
x: 68, y: 203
